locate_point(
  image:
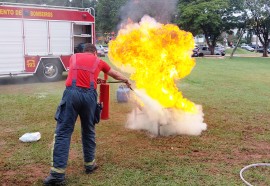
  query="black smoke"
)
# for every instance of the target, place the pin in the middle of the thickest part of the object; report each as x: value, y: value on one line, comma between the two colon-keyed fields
x: 163, y: 11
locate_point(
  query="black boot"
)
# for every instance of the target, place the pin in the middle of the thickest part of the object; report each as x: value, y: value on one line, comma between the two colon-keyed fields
x: 91, y: 169
x: 50, y: 180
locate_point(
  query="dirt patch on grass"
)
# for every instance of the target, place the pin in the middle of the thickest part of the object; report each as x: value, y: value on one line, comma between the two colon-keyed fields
x: 24, y: 175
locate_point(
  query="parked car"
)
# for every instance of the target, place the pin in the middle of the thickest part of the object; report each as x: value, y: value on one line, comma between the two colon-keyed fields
x: 100, y: 51
x: 244, y: 46
x: 249, y: 48
x: 195, y: 52
x: 106, y: 49
x: 221, y: 49
x: 260, y: 50
x: 206, y: 51
x: 253, y: 46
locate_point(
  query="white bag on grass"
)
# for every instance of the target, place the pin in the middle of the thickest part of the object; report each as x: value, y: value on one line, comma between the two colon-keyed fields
x: 30, y: 137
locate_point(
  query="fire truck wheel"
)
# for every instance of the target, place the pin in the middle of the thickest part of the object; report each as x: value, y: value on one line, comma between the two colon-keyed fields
x: 49, y: 71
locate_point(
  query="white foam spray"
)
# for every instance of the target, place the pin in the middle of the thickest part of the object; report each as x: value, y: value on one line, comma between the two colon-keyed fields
x: 157, y: 120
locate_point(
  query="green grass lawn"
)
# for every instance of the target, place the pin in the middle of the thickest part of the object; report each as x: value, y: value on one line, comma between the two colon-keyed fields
x: 238, y: 51
x: 234, y: 94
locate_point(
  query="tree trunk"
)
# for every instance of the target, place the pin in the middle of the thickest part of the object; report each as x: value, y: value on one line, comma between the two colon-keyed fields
x: 264, y: 40
x: 212, y: 49
x: 210, y: 45
x: 242, y: 31
x: 265, y: 52
x: 265, y: 46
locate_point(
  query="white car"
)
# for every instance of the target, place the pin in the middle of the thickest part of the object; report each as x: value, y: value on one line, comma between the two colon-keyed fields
x: 206, y: 51
x: 244, y: 46
x: 249, y: 48
x: 106, y: 49
x: 100, y: 51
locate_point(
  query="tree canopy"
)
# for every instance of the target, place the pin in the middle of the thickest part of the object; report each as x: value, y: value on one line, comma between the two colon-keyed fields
x: 259, y: 17
x: 108, y: 16
x: 207, y: 17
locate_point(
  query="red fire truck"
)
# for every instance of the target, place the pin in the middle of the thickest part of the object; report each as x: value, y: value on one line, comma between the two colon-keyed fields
x: 39, y: 39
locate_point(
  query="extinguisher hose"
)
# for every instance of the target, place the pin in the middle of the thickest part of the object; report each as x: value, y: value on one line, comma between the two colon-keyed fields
x: 120, y: 81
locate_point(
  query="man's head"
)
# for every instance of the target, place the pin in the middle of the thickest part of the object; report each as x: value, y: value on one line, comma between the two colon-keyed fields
x: 88, y: 47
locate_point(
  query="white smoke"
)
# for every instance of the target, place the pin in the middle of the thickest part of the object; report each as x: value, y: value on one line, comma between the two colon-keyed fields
x: 157, y: 120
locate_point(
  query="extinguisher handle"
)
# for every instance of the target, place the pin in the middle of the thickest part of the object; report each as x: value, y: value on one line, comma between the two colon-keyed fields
x: 99, y: 81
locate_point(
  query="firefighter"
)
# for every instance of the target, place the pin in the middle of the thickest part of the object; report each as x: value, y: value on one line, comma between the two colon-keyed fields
x: 79, y: 99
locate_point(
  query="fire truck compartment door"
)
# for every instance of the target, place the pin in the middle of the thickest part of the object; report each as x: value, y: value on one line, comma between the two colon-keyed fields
x: 36, y: 37
x: 11, y: 44
x: 60, y: 38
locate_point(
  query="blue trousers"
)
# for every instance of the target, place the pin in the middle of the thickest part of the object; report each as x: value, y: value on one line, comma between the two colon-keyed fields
x: 75, y: 102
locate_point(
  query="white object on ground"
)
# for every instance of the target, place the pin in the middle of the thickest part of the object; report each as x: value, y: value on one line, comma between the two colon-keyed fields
x: 30, y: 137
x: 249, y: 166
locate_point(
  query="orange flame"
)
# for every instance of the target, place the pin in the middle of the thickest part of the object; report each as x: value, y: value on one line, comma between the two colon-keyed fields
x: 158, y: 54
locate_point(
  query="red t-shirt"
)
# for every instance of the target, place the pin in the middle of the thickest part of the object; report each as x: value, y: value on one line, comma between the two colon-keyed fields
x: 83, y: 76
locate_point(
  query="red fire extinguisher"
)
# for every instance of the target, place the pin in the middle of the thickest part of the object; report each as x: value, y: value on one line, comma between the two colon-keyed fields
x: 104, y: 97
